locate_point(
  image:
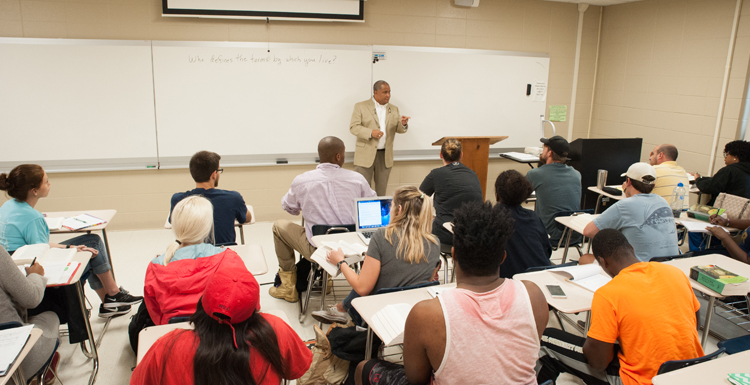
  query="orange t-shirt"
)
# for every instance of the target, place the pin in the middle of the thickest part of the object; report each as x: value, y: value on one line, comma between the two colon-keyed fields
x: 650, y: 308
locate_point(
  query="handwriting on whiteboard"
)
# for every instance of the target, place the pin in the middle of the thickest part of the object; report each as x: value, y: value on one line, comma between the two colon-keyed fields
x: 264, y: 59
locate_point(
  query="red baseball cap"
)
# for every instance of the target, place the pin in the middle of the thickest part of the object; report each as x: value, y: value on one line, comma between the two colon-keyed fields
x: 231, y: 296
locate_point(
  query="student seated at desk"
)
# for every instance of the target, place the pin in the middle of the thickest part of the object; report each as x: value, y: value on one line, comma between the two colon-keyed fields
x: 228, y: 205
x: 733, y: 178
x: 741, y: 251
x: 486, y: 330
x: 175, y: 280
x: 232, y: 343
x: 644, y: 218
x: 21, y: 224
x: 648, y: 307
x: 18, y: 293
x: 404, y: 253
x: 452, y: 185
x: 529, y: 245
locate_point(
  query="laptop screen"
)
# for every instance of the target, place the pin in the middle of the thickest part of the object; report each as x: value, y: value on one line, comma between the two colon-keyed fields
x: 373, y: 213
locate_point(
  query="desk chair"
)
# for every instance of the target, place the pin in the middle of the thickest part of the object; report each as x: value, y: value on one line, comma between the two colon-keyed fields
x: 317, y: 274
x: 238, y: 225
x: 679, y: 364
x: 735, y: 345
x: 672, y: 257
x: 578, y: 241
x: 445, y: 253
x: 554, y: 311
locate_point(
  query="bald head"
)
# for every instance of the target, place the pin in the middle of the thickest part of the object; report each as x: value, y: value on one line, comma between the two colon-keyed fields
x: 331, y: 150
x: 663, y: 153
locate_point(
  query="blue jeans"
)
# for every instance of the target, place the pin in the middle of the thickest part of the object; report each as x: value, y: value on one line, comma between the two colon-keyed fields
x: 347, y: 304
x: 97, y: 265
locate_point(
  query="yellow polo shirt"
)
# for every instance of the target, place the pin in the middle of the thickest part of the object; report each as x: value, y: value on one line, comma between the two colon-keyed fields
x: 668, y: 175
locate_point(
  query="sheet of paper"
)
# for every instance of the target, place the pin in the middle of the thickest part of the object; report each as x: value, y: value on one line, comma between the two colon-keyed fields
x: 578, y: 272
x: 558, y: 113
x: 390, y: 322
x: 580, y: 222
x: 12, y: 342
x: 59, y: 273
x: 54, y: 223
x: 520, y: 156
x: 540, y: 91
x: 698, y: 226
x: 593, y: 283
x: 26, y: 254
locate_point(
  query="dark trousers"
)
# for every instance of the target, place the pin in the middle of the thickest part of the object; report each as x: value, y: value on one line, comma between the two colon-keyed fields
x: 562, y: 352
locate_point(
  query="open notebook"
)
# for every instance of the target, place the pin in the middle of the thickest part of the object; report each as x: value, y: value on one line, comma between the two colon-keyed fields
x: 390, y: 322
x: 590, y: 277
x: 57, y: 263
x: 352, y: 254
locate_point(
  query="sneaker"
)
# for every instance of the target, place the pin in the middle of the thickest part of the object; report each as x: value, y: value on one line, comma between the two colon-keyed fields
x: 120, y: 299
x: 108, y: 312
x: 330, y: 316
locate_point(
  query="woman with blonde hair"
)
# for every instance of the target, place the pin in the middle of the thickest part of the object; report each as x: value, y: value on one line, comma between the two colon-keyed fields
x: 176, y: 279
x: 404, y: 253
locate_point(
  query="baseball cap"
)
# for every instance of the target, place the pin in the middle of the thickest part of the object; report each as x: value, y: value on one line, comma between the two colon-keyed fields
x: 557, y: 144
x: 637, y: 171
x: 231, y: 296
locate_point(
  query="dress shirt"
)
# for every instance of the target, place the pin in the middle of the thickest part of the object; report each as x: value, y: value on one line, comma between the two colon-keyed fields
x: 326, y: 196
x: 382, y: 111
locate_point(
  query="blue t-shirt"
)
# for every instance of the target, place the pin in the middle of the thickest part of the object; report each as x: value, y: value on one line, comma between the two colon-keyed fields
x: 20, y: 225
x: 647, y: 222
x: 190, y: 252
x: 558, y: 188
x: 228, y: 206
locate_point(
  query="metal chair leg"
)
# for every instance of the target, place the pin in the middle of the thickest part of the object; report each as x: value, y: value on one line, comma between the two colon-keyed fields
x: 306, y: 300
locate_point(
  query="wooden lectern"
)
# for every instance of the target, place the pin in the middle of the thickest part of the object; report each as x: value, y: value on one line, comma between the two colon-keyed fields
x: 476, y: 150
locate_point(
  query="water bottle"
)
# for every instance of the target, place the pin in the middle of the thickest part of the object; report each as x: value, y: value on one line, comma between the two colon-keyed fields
x: 678, y: 199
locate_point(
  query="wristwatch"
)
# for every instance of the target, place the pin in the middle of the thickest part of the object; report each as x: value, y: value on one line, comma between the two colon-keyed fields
x: 338, y: 265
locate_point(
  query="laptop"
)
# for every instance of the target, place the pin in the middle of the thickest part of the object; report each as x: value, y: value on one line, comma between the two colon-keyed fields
x: 370, y: 214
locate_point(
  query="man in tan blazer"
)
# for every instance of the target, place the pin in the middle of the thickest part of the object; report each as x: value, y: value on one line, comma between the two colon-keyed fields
x: 375, y: 124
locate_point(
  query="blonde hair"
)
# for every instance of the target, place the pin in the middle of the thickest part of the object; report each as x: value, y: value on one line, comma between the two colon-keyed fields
x: 192, y: 223
x: 412, y: 224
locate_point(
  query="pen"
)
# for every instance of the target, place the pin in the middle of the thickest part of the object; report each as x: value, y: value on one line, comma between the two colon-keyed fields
x: 33, y: 262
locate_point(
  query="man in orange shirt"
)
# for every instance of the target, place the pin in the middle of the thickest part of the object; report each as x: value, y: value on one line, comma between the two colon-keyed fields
x: 648, y: 307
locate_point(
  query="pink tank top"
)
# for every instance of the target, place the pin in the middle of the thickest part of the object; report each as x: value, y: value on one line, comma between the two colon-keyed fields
x: 491, y: 337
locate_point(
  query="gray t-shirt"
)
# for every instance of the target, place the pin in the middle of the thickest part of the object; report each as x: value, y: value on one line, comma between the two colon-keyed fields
x: 558, y: 188
x: 395, y: 272
x: 646, y: 221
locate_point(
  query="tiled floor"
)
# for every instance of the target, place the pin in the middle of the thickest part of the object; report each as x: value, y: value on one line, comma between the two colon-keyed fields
x: 131, y: 253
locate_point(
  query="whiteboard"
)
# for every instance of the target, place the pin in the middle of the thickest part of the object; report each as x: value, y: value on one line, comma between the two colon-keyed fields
x: 80, y: 104
x: 247, y: 100
x: 462, y: 92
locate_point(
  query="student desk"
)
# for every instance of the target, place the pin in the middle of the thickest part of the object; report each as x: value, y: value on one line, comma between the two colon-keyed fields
x: 238, y: 225
x: 367, y: 306
x: 106, y: 215
x: 253, y: 256
x: 572, y: 226
x: 707, y: 373
x: 578, y: 299
x: 605, y: 194
x: 148, y: 336
x: 350, y: 237
x: 725, y: 262
x: 14, y: 372
x: 527, y: 159
x: 83, y: 258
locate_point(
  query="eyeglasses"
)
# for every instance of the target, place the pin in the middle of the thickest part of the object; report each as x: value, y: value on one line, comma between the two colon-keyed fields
x: 220, y: 171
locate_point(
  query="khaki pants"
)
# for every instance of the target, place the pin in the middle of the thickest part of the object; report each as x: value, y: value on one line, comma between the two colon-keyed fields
x: 380, y: 172
x: 288, y: 237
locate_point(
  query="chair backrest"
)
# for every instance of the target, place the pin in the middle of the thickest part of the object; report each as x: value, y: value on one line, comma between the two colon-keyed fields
x: 735, y: 345
x: 679, y: 364
x: 548, y: 382
x: 671, y: 257
x: 332, y: 229
x: 179, y: 319
x: 386, y: 290
x: 540, y: 268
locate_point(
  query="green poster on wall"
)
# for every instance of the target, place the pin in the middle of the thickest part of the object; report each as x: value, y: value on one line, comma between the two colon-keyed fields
x: 558, y: 113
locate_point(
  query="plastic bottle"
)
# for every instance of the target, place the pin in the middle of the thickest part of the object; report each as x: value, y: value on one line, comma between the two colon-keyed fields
x: 678, y: 199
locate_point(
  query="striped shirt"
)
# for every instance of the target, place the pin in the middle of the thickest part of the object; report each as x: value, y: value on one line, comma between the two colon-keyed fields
x: 326, y: 196
x: 668, y: 175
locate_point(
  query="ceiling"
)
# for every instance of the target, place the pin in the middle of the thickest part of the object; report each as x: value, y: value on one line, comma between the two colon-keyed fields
x: 596, y: 2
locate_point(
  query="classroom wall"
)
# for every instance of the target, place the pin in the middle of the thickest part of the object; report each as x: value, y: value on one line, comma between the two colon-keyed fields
x: 142, y: 197
x: 661, y: 69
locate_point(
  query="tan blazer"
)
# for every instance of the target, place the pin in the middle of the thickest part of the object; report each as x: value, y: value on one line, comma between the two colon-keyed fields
x: 364, y: 120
